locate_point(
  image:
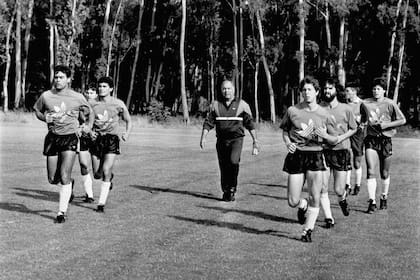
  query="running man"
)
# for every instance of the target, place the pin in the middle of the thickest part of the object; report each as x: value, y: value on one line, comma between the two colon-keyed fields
x: 60, y: 108
x: 85, y: 142
x: 106, y: 140
x: 230, y: 117
x: 337, y: 155
x: 356, y: 140
x: 302, y: 126
x: 384, y: 116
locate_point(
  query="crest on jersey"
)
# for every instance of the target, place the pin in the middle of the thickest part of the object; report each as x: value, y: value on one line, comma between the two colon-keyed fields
x: 306, y: 129
x: 104, y: 120
x: 59, y: 113
x: 375, y: 116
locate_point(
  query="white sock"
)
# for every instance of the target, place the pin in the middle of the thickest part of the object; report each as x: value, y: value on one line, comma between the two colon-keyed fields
x: 65, y: 193
x: 104, y: 192
x: 326, y: 205
x: 358, y: 176
x: 311, y: 217
x: 303, y: 203
x: 385, y: 186
x: 348, y: 177
x: 371, y: 187
x: 87, y: 183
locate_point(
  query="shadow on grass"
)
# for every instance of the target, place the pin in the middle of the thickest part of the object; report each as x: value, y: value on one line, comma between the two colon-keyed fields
x: 268, y: 185
x: 18, y: 207
x: 269, y: 196
x: 154, y: 190
x: 252, y: 213
x: 234, y: 226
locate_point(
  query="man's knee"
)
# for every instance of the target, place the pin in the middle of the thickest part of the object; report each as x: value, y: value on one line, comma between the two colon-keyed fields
x: 293, y: 202
x: 53, y: 180
x: 384, y: 174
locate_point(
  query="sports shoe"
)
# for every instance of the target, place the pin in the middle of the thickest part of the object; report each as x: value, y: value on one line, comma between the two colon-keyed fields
x: 356, y: 190
x: 306, y: 236
x: 348, y: 189
x: 61, y: 217
x: 383, y: 203
x: 301, y: 214
x: 228, y: 196
x: 344, y: 207
x: 72, y: 193
x: 100, y: 208
x: 329, y: 223
x: 112, y: 177
x: 88, y: 199
x: 372, y: 207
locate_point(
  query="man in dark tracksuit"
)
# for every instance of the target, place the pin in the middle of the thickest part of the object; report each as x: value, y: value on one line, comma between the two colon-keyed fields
x: 230, y: 118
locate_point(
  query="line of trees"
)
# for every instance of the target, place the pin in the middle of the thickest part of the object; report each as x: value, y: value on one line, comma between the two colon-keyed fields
x: 176, y: 52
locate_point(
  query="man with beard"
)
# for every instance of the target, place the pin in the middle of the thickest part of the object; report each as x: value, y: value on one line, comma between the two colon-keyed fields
x: 337, y: 155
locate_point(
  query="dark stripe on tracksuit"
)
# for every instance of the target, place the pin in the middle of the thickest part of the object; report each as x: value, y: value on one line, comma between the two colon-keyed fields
x: 230, y: 122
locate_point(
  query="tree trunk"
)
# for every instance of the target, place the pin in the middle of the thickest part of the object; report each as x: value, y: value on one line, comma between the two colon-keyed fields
x: 8, y: 62
x: 241, y: 52
x: 301, y: 42
x: 111, y: 39
x: 182, y: 63
x: 73, y: 31
x: 328, y: 35
x: 266, y: 69
x: 149, y: 63
x: 340, y: 63
x: 18, y: 65
x: 28, y: 26
x: 105, y: 26
x: 156, y: 81
x: 51, y: 41
x: 136, y: 56
x: 391, y: 49
x: 401, y: 53
x: 257, y: 112
x: 211, y: 68
x: 235, y: 48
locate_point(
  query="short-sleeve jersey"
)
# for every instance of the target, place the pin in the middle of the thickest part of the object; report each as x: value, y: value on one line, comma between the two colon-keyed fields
x: 231, y: 120
x: 301, y: 124
x: 356, y: 108
x: 341, y: 121
x: 107, y: 115
x: 64, y: 107
x: 381, y: 112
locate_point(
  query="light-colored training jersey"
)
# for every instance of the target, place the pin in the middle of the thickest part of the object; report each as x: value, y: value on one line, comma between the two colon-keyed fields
x: 107, y: 115
x: 381, y: 111
x: 356, y: 108
x: 63, y: 108
x: 342, y: 120
x: 301, y: 125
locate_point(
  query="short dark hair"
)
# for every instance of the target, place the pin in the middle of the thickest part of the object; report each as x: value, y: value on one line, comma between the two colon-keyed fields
x: 309, y: 80
x: 106, y: 80
x: 379, y: 82
x: 92, y: 86
x: 64, y: 69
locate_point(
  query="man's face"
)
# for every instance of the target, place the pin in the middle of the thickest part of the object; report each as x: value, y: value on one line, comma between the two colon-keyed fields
x: 330, y: 92
x: 61, y: 81
x: 378, y: 92
x: 309, y: 93
x: 91, y: 94
x: 350, y: 93
x: 104, y: 89
x: 228, y: 91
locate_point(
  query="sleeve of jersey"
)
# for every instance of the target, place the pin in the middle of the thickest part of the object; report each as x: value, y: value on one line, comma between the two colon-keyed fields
x: 285, y: 123
x: 248, y: 121
x: 210, y: 121
x: 352, y: 120
x: 364, y: 114
x: 39, y: 104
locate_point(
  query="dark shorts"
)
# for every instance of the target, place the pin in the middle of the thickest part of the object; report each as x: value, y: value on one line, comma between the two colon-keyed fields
x: 356, y: 141
x: 300, y: 162
x: 105, y: 144
x: 55, y: 144
x: 339, y: 160
x: 85, y: 142
x: 381, y: 144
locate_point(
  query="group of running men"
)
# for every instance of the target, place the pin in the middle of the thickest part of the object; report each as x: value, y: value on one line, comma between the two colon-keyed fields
x: 321, y: 139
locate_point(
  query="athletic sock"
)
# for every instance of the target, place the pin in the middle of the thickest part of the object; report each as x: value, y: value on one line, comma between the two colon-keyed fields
x: 385, y: 186
x: 311, y: 215
x: 104, y: 192
x: 65, y: 193
x: 348, y: 177
x: 87, y: 183
x: 303, y: 203
x: 371, y: 187
x: 326, y: 205
x: 358, y: 176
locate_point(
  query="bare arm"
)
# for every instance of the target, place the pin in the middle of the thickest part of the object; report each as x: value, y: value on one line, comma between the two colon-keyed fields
x: 291, y: 147
x: 128, y: 124
x: 40, y: 116
x: 203, y: 138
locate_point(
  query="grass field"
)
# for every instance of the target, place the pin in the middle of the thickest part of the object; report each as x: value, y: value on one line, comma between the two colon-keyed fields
x: 164, y: 218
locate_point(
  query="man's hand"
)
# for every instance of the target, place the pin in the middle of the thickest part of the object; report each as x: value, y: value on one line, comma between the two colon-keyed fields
x: 202, y: 143
x: 291, y: 147
x: 124, y: 136
x: 321, y: 132
x: 255, y: 147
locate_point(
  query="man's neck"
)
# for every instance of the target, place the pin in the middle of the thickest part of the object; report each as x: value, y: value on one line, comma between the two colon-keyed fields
x: 228, y: 101
x: 333, y: 103
x: 312, y: 106
x: 105, y: 98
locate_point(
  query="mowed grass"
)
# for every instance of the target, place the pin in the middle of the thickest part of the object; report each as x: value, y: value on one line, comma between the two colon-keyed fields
x: 164, y: 218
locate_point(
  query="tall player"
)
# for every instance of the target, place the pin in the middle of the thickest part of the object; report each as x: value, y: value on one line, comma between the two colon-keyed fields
x: 60, y: 108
